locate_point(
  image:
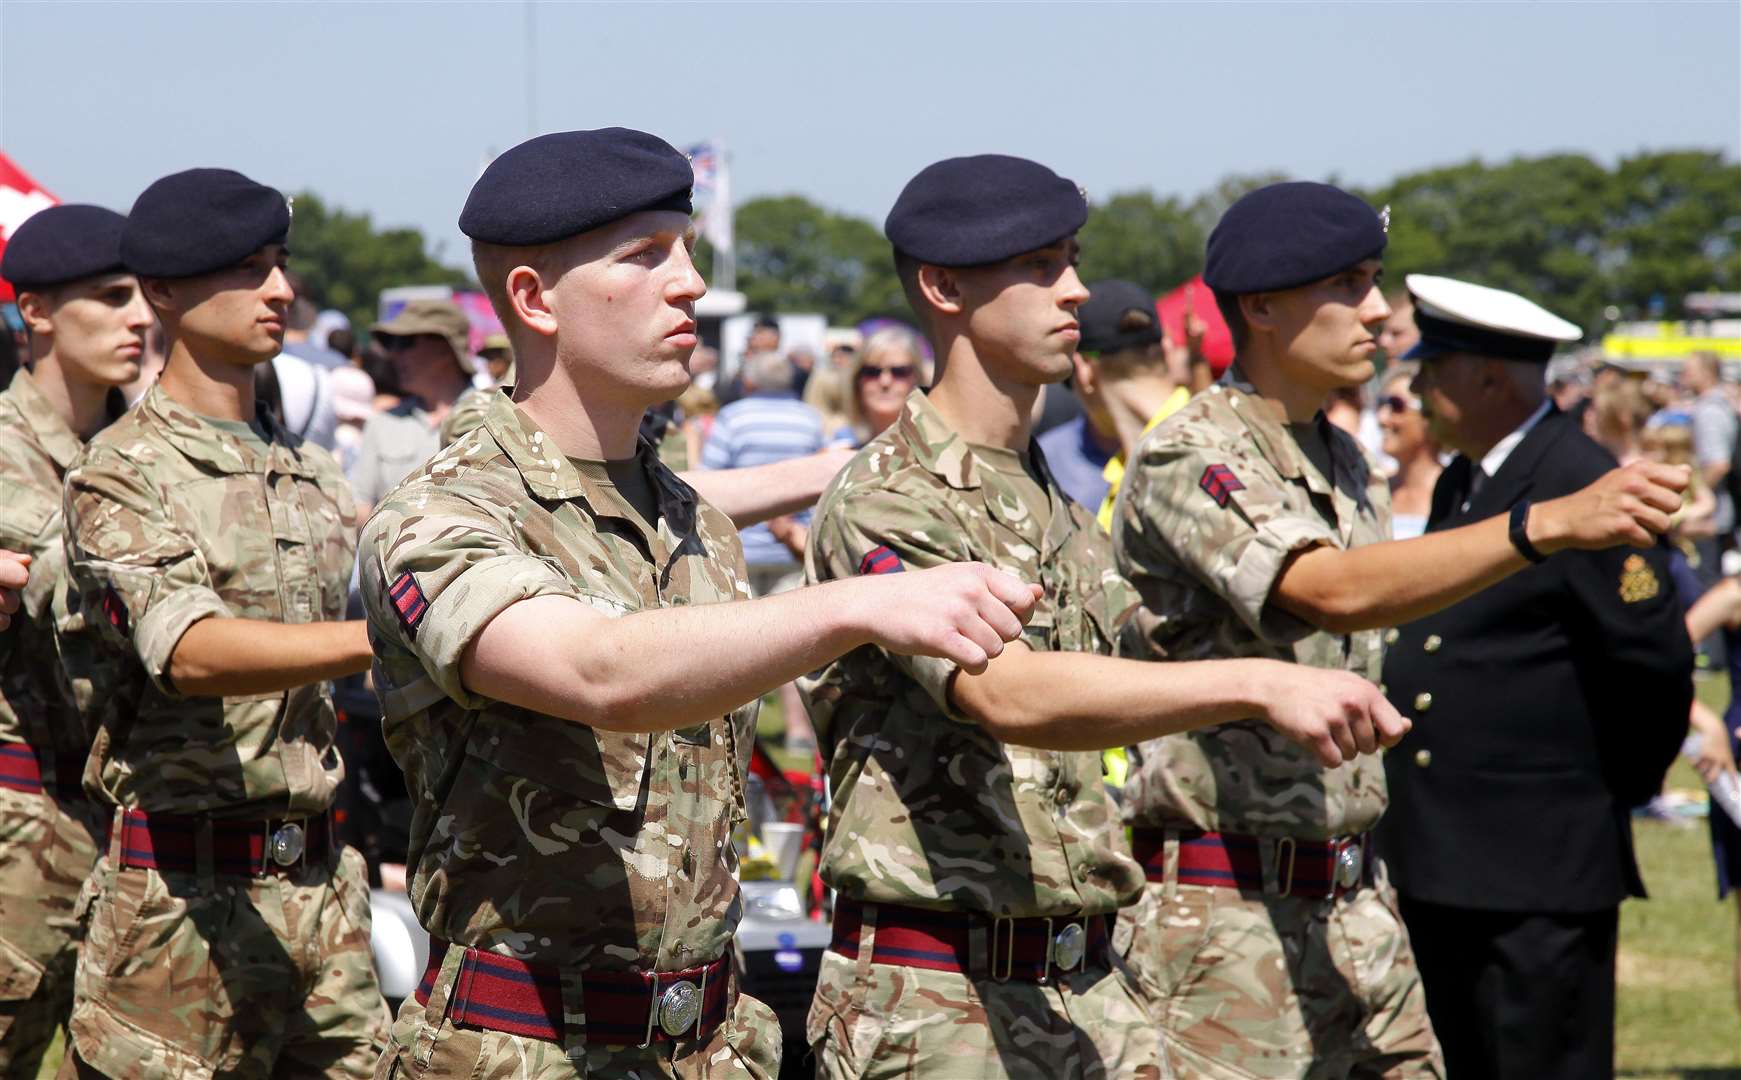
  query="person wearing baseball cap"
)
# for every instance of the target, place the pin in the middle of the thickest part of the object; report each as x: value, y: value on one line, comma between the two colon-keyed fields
x: 1253, y: 527
x: 428, y: 343
x: 1583, y: 686
x: 568, y: 663
x: 1122, y: 374
x: 87, y: 323
x: 209, y: 552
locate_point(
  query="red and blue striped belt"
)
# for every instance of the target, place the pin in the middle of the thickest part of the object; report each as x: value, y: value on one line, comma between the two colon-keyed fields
x: 239, y: 848
x: 623, y: 1008
x: 1311, y: 869
x: 21, y: 770
x: 1026, y: 949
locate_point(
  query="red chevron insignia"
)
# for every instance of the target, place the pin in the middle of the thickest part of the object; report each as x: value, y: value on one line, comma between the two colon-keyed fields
x: 1219, y: 483
x: 880, y: 560
x: 408, y: 601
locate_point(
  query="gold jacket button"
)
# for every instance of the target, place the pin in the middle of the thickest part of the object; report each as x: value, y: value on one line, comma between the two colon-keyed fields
x: 1432, y: 643
x: 1391, y: 635
x: 1423, y: 701
x: 1423, y: 758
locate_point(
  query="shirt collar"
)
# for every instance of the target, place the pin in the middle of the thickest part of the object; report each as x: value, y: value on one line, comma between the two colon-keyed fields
x: 1494, y: 458
x: 39, y: 414
x: 1274, y: 443
x: 551, y: 476
x: 935, y: 445
x: 213, y: 446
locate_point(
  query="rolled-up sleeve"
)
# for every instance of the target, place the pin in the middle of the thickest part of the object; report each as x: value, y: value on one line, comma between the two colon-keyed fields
x: 435, y: 575
x: 142, y: 580
x: 1227, y: 522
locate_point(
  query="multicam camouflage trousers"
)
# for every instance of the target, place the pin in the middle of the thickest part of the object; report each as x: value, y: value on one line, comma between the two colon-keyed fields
x: 190, y: 975
x: 880, y: 1020
x: 1253, y: 987
x: 47, y: 849
x: 746, y: 1044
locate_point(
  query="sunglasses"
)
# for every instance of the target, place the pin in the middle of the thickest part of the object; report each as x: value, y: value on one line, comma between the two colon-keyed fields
x: 1397, y: 403
x: 900, y: 372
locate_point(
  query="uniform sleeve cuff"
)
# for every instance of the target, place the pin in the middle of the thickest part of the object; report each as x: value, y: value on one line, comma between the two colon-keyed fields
x: 467, y: 605
x: 1254, y: 579
x: 163, y: 625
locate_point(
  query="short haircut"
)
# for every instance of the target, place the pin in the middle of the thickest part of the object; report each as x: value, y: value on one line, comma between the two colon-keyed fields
x: 493, y: 263
x: 907, y: 273
x: 1708, y: 362
x: 1228, y: 304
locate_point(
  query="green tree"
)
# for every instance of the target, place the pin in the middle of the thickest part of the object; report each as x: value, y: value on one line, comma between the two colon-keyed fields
x: 1144, y: 237
x: 794, y: 255
x: 1571, y: 234
x: 345, y: 262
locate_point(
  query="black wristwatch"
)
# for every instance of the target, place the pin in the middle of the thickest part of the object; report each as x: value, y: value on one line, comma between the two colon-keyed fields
x: 1520, y: 533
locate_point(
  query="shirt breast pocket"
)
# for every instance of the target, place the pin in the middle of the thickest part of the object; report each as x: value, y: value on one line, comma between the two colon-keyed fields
x: 591, y: 765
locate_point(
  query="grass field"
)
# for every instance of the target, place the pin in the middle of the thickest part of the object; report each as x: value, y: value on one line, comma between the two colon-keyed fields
x: 1677, y: 1016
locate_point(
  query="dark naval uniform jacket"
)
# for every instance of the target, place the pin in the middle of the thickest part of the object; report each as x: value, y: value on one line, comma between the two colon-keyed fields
x: 1544, y: 708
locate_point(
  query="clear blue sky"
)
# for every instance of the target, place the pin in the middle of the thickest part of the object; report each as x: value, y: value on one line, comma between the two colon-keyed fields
x: 392, y: 108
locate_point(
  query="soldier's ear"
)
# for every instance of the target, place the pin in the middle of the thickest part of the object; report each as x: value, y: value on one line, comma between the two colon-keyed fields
x: 159, y: 293
x: 34, y: 308
x: 1258, y: 309
x: 531, y: 300
x: 941, y: 288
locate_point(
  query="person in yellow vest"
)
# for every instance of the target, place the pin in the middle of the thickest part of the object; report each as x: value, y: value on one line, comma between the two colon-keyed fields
x: 1122, y: 374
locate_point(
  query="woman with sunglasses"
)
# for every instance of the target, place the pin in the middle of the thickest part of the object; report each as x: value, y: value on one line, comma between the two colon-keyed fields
x: 884, y: 373
x: 1417, y: 456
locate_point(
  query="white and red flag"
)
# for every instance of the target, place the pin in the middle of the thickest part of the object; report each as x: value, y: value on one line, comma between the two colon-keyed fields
x: 20, y: 197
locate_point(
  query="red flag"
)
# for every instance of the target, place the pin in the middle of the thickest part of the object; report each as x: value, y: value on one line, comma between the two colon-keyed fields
x: 1217, y: 340
x: 20, y: 197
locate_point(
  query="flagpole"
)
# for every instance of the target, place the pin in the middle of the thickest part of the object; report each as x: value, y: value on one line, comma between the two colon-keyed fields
x: 725, y: 264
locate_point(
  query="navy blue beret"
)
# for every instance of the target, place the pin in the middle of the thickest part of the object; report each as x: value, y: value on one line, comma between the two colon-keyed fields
x: 971, y: 211
x: 201, y: 221
x: 1287, y: 235
x: 1118, y: 315
x: 569, y: 182
x: 62, y: 244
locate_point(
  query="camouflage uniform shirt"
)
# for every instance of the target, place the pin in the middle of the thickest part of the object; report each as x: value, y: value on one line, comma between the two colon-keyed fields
x: 1218, y: 498
x: 170, y: 519
x: 532, y: 835
x: 37, y: 701
x: 930, y: 810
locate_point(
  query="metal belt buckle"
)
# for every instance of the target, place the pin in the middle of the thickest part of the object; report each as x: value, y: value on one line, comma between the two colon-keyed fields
x: 678, y: 1009
x: 1070, y: 947
x: 288, y: 843
x: 1350, y: 860
x: 1009, y: 966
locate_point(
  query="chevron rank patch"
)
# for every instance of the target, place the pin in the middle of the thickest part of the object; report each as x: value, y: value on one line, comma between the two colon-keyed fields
x: 880, y: 560
x: 116, y: 610
x: 408, y: 601
x: 1219, y: 483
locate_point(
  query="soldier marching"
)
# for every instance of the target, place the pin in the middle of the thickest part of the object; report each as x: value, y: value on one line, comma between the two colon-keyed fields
x: 569, y: 666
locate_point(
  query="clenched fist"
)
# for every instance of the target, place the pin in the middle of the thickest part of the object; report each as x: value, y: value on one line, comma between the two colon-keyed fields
x: 1629, y: 505
x: 963, y: 612
x: 14, y: 574
x: 1335, y: 714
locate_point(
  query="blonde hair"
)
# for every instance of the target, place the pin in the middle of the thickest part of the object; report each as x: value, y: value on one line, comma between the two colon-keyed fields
x: 828, y: 393
x: 887, y: 340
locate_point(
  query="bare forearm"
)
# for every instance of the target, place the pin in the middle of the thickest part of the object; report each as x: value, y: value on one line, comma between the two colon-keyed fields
x: 669, y: 667
x: 1388, y: 584
x: 1714, y: 609
x: 1080, y: 701
x: 230, y: 657
x: 753, y: 495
